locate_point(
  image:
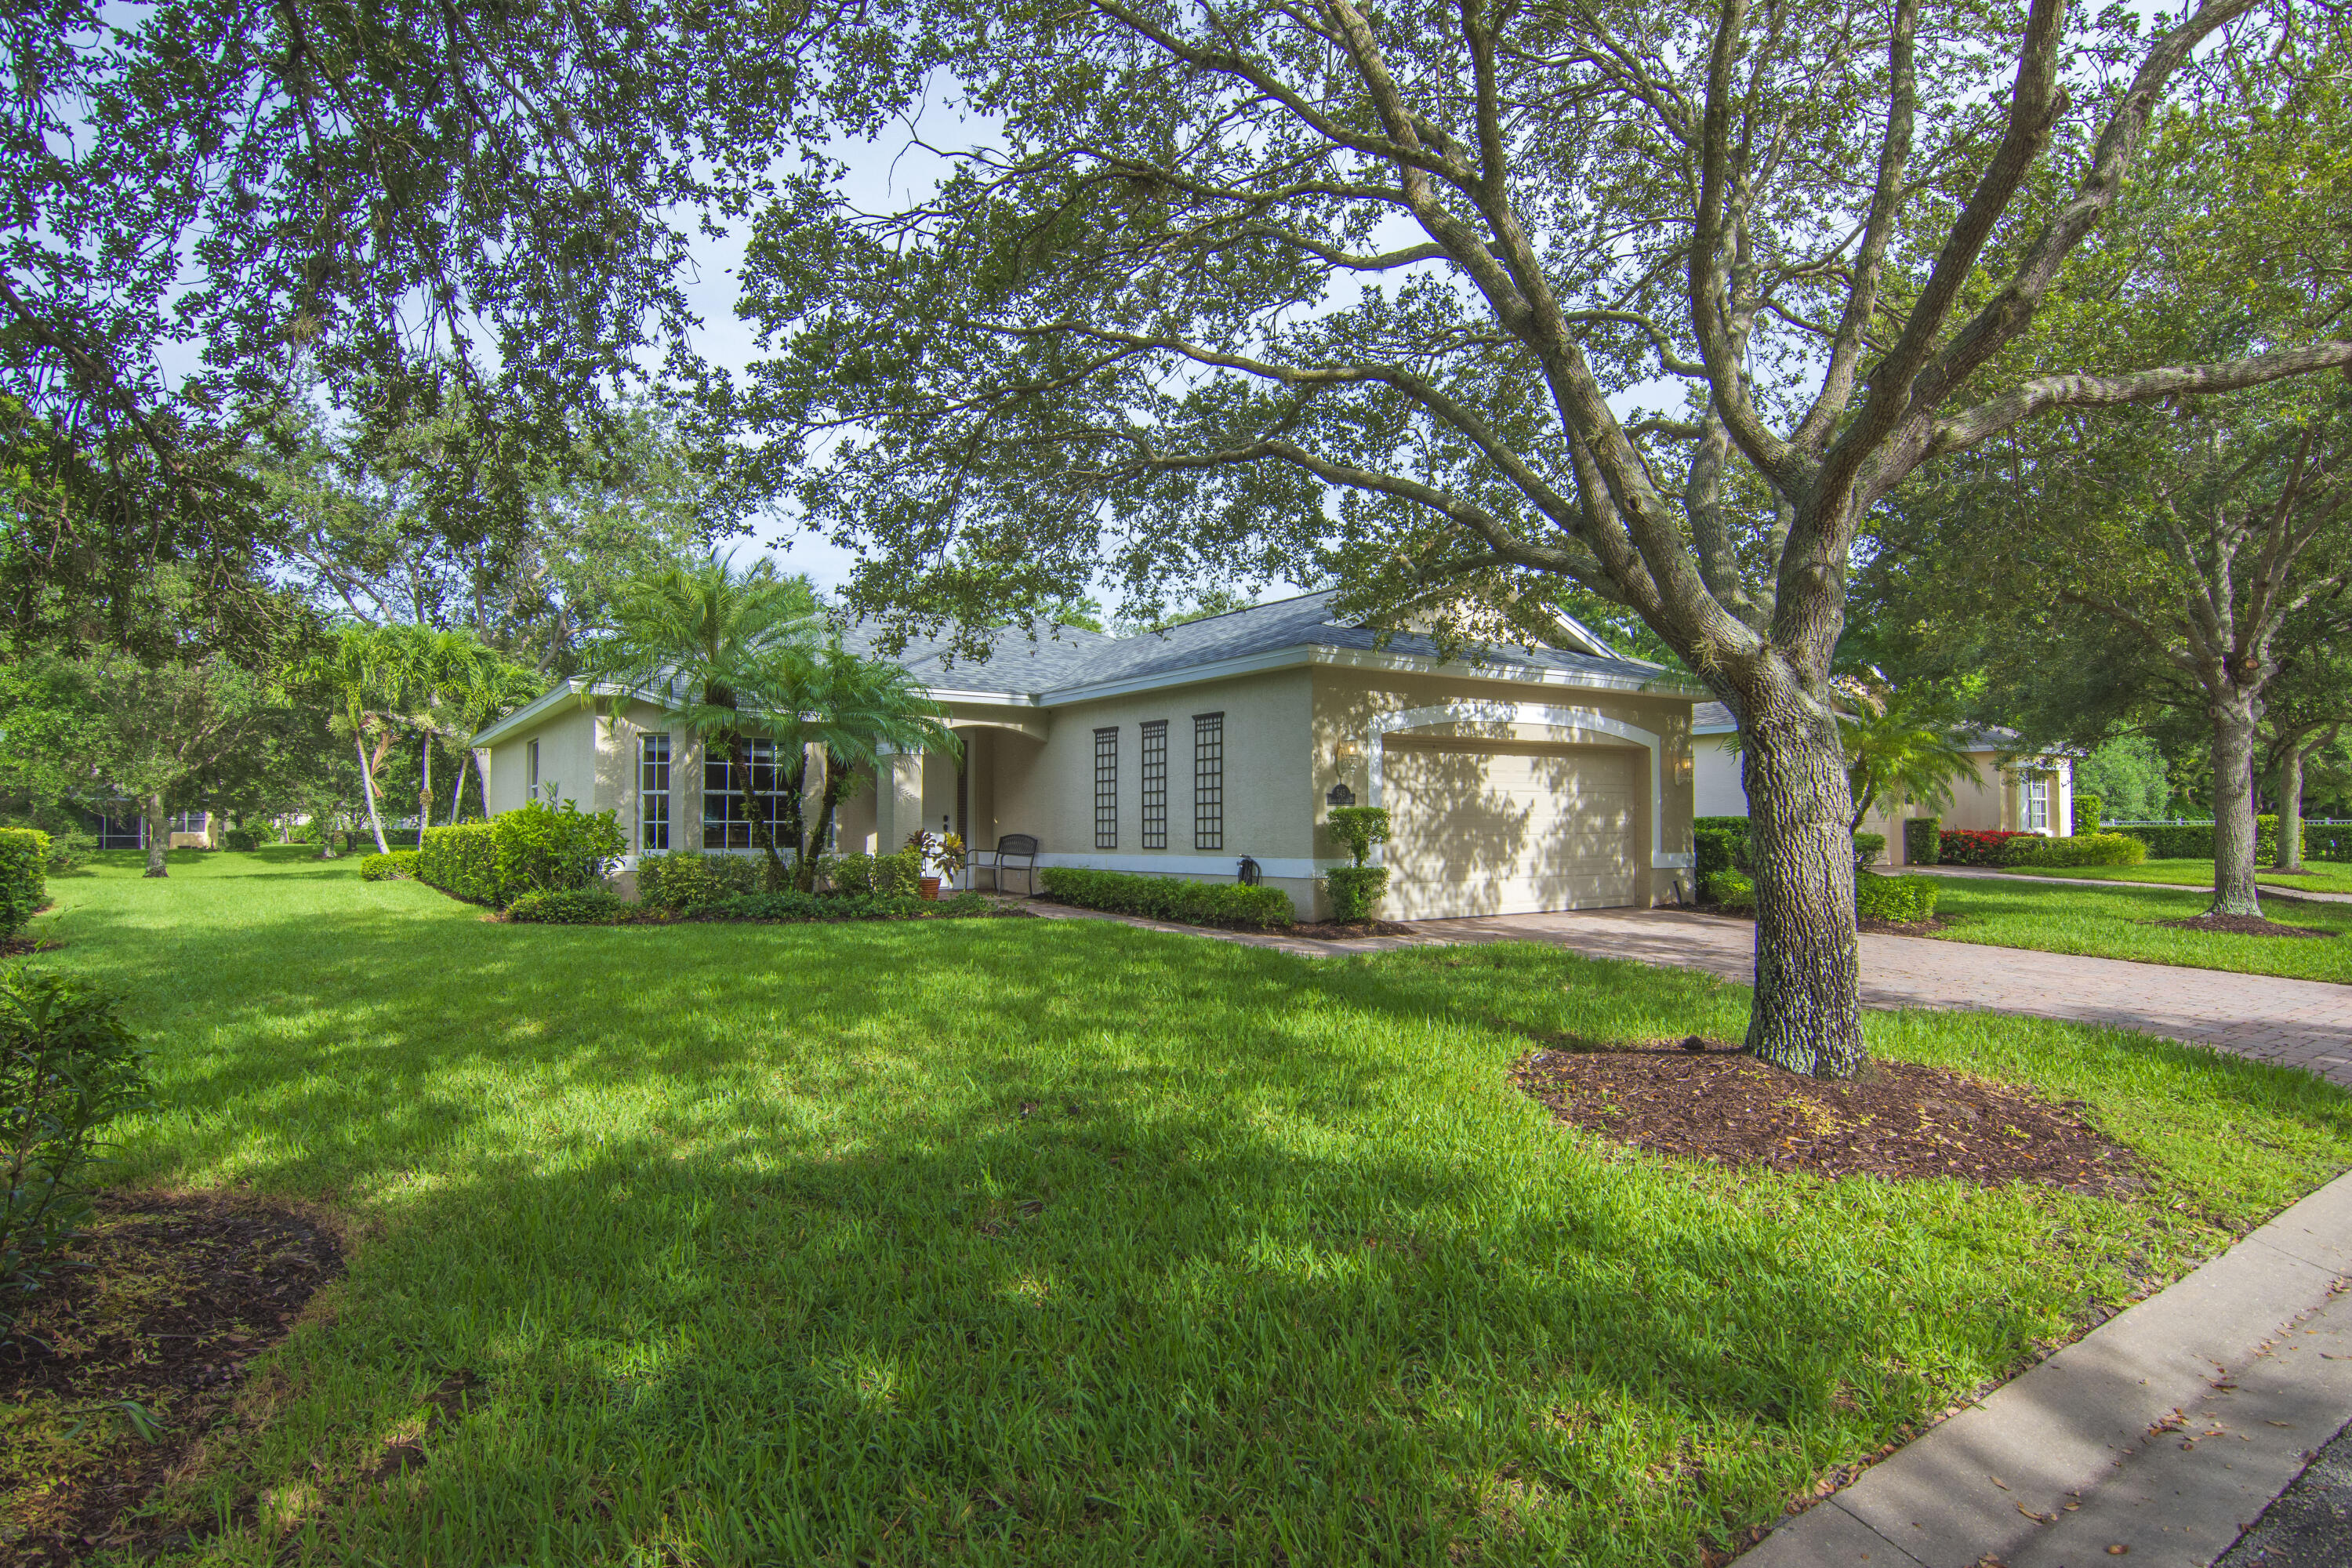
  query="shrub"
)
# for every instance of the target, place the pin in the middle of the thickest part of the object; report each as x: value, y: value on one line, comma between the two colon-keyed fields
x: 683, y: 879
x: 1732, y: 889
x: 67, y: 1066
x: 537, y: 848
x: 1168, y: 898
x: 2087, y: 807
x: 1919, y: 840
x: 2084, y: 849
x: 1867, y: 849
x: 1721, y: 842
x: 793, y: 905
x: 1355, y: 890
x: 1903, y: 900
x: 24, y: 877
x: 899, y: 875
x: 1973, y: 846
x: 397, y: 866
x: 569, y: 906
x: 1358, y: 828
x: 241, y: 838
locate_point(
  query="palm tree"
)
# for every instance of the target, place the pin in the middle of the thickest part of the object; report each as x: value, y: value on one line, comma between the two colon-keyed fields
x: 848, y: 709
x: 719, y: 650
x: 1900, y: 747
x: 351, y: 667
x: 422, y: 670
x: 497, y: 687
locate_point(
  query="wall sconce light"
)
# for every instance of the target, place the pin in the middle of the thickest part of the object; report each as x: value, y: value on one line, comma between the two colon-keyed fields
x: 1349, y: 751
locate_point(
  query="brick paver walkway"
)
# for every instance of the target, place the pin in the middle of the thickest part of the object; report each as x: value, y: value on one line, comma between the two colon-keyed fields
x: 2297, y: 1023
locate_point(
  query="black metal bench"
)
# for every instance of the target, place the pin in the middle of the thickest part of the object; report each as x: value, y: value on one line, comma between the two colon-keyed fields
x: 1017, y: 849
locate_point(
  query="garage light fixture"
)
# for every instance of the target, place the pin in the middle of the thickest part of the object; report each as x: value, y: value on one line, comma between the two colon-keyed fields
x: 1349, y: 751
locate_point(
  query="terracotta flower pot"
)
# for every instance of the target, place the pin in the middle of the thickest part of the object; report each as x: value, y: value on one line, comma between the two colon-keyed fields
x: 931, y: 886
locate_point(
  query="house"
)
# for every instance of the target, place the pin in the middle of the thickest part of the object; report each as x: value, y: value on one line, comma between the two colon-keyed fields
x: 120, y: 825
x: 2022, y: 794
x: 1532, y: 779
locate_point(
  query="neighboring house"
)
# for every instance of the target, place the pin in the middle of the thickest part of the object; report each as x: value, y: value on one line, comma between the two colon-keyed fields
x: 2023, y: 795
x: 118, y: 824
x: 1532, y: 780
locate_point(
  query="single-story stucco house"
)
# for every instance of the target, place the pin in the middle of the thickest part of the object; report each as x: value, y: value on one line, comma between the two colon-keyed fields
x: 1531, y: 779
x: 2019, y: 794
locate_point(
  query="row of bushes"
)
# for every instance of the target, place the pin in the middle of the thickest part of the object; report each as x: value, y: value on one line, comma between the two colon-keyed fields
x: 537, y: 848
x: 24, y: 877
x: 686, y: 878
x: 398, y: 865
x: 1168, y: 898
x: 1905, y: 899
x: 2194, y: 840
x: 598, y: 907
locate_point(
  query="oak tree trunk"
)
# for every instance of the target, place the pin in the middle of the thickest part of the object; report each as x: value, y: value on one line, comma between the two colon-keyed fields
x: 2234, y: 716
x: 1807, y: 1015
x: 158, y: 834
x: 2289, y: 809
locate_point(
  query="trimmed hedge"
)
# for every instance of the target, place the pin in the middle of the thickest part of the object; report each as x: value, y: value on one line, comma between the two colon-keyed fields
x: 397, y: 866
x: 1355, y: 890
x: 1973, y: 846
x: 1732, y: 889
x: 574, y: 907
x: 794, y: 905
x: 1867, y: 849
x: 24, y: 877
x: 899, y: 875
x: 241, y: 838
x: 2084, y: 849
x: 2087, y: 807
x: 1168, y: 898
x: 678, y: 880
x: 1921, y: 836
x: 538, y: 849
x: 1902, y: 899
x: 2194, y: 840
x: 1721, y: 842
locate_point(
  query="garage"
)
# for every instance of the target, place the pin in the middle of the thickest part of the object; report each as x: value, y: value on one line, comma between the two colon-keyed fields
x: 1507, y: 828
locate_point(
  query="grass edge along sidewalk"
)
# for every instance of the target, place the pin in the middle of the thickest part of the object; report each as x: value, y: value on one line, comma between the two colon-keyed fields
x: 1063, y: 1241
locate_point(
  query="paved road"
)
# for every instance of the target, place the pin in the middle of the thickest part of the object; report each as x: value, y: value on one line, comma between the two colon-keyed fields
x: 2298, y: 1023
x: 2311, y: 1525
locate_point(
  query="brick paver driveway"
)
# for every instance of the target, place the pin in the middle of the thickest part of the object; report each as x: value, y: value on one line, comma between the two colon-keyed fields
x: 2297, y: 1023
x: 2300, y: 1023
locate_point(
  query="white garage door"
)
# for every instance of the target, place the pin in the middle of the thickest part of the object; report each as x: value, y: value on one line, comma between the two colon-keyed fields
x: 1504, y: 828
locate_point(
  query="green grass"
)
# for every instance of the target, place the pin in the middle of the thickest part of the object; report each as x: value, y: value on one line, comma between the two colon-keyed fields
x: 1064, y: 1242
x: 2323, y: 876
x: 2128, y: 924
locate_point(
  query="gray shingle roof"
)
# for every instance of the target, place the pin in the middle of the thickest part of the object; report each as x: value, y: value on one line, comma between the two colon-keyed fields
x: 1064, y: 658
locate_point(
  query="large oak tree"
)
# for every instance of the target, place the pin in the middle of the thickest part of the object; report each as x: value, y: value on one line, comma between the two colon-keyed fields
x: 1312, y: 288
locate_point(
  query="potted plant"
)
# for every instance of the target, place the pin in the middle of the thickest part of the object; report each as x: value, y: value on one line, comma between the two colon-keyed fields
x: 942, y: 855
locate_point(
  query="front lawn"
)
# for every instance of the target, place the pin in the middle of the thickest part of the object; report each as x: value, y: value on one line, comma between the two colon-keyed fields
x: 2126, y: 923
x: 1032, y: 1241
x: 2321, y: 876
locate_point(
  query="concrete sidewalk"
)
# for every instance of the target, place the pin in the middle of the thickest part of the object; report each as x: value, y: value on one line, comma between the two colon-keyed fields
x: 2161, y: 1435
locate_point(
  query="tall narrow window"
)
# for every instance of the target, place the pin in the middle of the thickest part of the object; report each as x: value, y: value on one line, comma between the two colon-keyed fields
x: 1155, y: 784
x: 725, y: 824
x: 531, y: 755
x: 653, y: 794
x: 2034, y: 795
x: 1107, y: 789
x: 1208, y: 781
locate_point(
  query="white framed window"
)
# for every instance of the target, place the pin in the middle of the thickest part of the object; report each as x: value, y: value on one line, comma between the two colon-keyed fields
x: 653, y: 794
x: 2034, y: 802
x: 725, y: 824
x: 530, y: 763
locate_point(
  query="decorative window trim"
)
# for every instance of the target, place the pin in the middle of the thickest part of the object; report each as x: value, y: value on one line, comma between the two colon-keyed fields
x: 1107, y: 788
x: 1208, y: 781
x: 1154, y: 799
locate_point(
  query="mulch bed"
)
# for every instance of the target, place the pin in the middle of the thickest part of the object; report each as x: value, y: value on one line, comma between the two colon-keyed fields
x: 1346, y: 931
x: 1897, y: 1120
x: 179, y: 1293
x: 24, y: 946
x: 2243, y: 925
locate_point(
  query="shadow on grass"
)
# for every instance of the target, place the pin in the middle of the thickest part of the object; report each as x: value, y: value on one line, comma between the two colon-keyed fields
x: 1044, y: 1241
